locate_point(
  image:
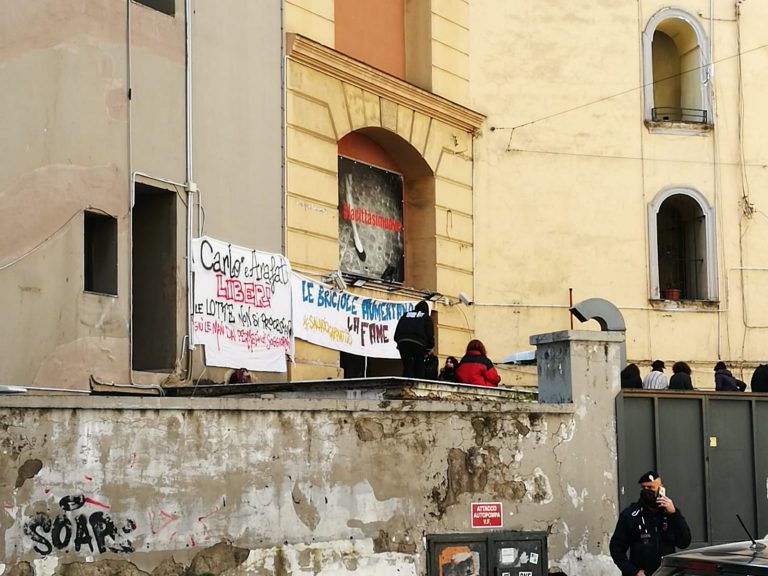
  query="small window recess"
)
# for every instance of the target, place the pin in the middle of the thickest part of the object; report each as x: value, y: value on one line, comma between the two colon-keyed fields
x: 100, y: 253
x: 164, y: 6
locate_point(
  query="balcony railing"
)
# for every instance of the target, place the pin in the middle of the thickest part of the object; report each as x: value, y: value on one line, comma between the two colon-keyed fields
x: 668, y: 114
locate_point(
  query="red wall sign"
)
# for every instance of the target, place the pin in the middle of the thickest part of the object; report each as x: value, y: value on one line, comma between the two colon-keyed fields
x: 486, y: 515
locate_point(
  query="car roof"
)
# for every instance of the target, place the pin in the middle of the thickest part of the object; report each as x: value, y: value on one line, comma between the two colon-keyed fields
x: 732, y: 554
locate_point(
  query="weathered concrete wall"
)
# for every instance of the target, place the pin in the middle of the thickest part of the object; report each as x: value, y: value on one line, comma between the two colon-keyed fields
x: 298, y: 487
x: 72, y: 139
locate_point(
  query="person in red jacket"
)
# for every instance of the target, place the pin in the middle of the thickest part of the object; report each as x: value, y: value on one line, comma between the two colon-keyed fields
x: 476, y: 368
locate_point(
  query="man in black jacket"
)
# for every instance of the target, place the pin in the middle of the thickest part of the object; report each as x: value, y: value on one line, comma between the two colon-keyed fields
x: 650, y: 528
x: 414, y: 336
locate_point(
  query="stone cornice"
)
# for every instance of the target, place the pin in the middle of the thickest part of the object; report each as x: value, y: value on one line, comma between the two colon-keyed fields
x: 332, y: 63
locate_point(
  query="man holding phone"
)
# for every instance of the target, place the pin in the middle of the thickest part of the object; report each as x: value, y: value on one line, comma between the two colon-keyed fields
x: 648, y: 529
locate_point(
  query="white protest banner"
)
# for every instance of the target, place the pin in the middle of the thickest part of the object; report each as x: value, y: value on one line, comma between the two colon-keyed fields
x: 344, y: 321
x: 242, y: 306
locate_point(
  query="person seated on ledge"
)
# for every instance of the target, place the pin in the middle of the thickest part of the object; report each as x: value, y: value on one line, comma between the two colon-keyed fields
x: 681, y: 377
x: 759, y: 381
x: 630, y: 377
x: 448, y: 371
x: 724, y: 380
x: 476, y: 368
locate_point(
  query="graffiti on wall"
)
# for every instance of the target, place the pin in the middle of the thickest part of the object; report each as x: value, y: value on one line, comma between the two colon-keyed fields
x: 75, y: 528
x: 242, y: 306
x: 458, y: 561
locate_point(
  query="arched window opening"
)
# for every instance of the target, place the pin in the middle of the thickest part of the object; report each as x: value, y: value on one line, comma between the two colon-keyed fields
x: 676, y: 69
x: 386, y: 225
x: 386, y: 210
x: 682, y: 248
x: 682, y: 240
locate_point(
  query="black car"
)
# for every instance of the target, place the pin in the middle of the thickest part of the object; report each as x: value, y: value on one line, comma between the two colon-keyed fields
x: 738, y: 558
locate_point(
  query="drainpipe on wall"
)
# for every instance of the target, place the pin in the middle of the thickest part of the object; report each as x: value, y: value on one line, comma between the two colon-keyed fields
x: 283, y: 136
x: 190, y: 186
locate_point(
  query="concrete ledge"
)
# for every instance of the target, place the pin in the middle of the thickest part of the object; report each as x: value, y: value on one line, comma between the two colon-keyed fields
x: 273, y: 404
x: 572, y: 335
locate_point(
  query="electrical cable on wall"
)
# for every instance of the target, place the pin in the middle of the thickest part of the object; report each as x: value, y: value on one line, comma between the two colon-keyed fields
x: 54, y: 234
x: 627, y: 91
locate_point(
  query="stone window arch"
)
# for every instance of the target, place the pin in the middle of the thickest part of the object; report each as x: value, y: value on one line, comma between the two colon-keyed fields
x: 676, y: 69
x: 682, y: 246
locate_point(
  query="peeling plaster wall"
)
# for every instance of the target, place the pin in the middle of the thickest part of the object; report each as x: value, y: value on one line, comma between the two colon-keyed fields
x: 340, y: 486
x: 283, y: 486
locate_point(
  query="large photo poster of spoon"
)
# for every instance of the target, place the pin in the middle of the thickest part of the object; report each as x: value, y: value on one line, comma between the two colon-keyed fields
x: 370, y: 221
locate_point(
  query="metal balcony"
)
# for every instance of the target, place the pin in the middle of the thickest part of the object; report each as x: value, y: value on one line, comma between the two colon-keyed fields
x: 669, y: 114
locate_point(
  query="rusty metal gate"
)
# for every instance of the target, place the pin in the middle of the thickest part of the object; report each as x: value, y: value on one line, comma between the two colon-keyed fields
x: 711, y: 450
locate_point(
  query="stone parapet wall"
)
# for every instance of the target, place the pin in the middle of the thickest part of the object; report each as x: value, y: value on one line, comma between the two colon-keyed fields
x: 299, y: 484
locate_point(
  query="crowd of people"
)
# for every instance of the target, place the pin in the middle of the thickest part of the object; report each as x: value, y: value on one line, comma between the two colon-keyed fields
x: 724, y: 379
x: 415, y: 339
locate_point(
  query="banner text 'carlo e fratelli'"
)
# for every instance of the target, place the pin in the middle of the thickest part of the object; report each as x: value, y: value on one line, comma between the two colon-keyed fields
x: 242, y: 306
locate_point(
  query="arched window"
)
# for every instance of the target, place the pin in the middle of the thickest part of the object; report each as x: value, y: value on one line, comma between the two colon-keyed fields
x: 682, y: 246
x: 386, y: 209
x: 676, y: 69
x: 386, y: 224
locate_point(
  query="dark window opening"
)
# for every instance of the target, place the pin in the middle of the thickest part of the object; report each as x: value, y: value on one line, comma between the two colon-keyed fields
x: 154, y: 279
x: 681, y: 227
x: 100, y: 253
x: 165, y: 6
x: 355, y: 366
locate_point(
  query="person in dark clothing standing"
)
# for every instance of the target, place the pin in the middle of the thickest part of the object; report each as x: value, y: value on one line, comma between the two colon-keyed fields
x: 648, y: 529
x: 415, y: 335
x: 681, y: 377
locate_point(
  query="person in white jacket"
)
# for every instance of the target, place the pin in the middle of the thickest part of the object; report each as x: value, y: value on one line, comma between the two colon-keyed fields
x: 655, y: 379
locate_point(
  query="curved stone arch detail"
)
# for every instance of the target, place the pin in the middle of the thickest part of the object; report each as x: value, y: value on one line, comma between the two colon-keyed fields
x: 446, y: 152
x: 429, y: 137
x: 705, y: 69
x: 710, y: 240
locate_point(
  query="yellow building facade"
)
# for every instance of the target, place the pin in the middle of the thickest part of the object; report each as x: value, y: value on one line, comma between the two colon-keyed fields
x: 622, y: 159
x: 428, y: 133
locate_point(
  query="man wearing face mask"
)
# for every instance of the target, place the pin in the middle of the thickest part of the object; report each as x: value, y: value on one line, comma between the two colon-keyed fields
x: 648, y: 529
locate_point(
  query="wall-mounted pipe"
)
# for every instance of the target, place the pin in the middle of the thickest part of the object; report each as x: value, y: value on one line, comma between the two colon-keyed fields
x: 191, y: 186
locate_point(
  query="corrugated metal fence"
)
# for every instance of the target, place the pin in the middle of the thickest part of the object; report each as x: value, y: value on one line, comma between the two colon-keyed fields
x: 711, y: 450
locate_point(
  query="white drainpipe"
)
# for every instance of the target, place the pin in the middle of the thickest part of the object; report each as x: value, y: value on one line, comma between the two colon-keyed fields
x: 190, y: 186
